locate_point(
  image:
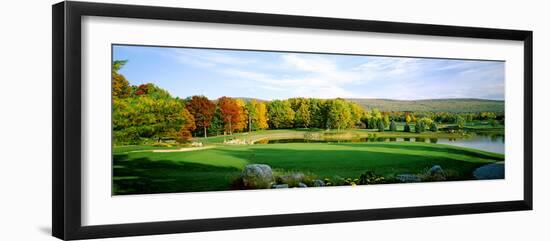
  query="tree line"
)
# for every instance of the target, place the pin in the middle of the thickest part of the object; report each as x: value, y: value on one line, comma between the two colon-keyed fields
x: 149, y: 112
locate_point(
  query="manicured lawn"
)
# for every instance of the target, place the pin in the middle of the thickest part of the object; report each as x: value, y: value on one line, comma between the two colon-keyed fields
x: 215, y: 169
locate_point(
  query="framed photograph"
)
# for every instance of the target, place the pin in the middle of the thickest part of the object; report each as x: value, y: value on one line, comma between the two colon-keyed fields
x: 169, y: 120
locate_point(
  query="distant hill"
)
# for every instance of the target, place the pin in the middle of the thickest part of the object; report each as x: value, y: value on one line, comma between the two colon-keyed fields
x: 433, y: 105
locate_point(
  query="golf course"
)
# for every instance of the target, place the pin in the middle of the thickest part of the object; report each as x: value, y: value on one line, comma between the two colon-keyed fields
x: 149, y: 169
x: 204, y: 120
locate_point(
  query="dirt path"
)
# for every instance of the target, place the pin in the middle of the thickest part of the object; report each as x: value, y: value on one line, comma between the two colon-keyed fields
x: 186, y: 149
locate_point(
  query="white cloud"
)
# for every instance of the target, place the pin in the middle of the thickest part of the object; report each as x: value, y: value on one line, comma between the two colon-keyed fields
x: 328, y: 76
x: 312, y: 76
x: 206, y: 59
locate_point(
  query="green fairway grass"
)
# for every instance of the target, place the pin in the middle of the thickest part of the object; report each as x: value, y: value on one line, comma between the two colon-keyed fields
x: 215, y: 169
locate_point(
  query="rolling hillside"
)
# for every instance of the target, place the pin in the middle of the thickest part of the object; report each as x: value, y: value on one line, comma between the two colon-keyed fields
x: 434, y: 105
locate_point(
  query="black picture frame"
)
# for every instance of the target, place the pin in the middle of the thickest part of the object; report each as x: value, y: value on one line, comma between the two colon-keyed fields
x: 66, y: 169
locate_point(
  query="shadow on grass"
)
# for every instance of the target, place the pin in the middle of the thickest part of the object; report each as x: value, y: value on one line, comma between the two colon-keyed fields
x: 348, y: 163
x: 143, y: 176
x: 447, y: 149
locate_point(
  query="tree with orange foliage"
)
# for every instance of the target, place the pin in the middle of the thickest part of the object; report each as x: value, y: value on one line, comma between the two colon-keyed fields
x: 187, y: 127
x: 202, y: 110
x: 232, y: 113
x: 120, y: 86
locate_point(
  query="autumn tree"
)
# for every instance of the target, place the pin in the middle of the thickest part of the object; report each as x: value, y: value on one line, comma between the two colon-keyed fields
x: 120, y: 86
x: 186, y: 128
x: 261, y: 114
x: 356, y: 112
x: 146, y: 112
x: 386, y: 119
x: 232, y: 114
x: 202, y: 110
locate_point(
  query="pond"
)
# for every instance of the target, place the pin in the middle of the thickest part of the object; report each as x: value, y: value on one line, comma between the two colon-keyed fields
x: 481, y: 141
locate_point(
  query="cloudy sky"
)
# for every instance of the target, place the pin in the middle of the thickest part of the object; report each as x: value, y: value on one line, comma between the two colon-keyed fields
x: 274, y: 75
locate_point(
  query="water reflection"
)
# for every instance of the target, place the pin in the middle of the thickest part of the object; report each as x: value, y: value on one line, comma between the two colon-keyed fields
x: 482, y: 141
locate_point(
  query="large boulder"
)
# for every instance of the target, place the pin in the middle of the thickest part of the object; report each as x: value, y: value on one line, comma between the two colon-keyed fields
x: 490, y: 171
x: 257, y: 176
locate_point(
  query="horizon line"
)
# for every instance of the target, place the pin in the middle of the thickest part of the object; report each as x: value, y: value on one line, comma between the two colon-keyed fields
x: 347, y: 98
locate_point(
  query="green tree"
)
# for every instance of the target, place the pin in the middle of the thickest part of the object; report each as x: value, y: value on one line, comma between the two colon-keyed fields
x: 150, y: 116
x: 318, y: 112
x: 460, y: 122
x: 216, y: 125
x: 418, y: 127
x: 280, y: 114
x: 407, y: 128
x: 375, y: 117
x: 338, y: 114
x: 303, y: 116
x: 381, y: 125
x: 252, y: 116
x: 393, y: 126
x: 433, y: 127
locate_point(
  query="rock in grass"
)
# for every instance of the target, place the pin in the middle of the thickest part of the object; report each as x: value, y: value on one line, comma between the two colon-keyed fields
x: 280, y: 186
x: 435, y: 170
x: 408, y: 178
x: 293, y: 179
x: 257, y: 176
x: 301, y: 184
x: 318, y: 183
x: 490, y: 171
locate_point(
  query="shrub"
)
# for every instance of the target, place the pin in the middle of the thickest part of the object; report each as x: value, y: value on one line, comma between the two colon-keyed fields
x: 370, y: 177
x: 407, y: 128
x: 293, y: 179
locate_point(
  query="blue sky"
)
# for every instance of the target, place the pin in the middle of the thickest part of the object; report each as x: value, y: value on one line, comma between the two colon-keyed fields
x: 274, y: 75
